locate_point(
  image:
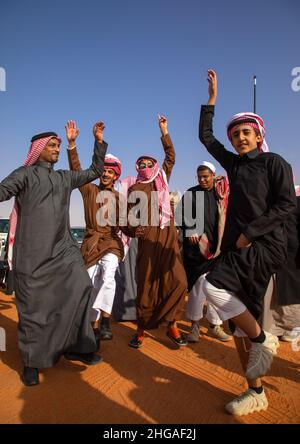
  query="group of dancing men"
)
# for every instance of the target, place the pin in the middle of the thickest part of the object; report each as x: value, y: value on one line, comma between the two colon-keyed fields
x: 65, y: 296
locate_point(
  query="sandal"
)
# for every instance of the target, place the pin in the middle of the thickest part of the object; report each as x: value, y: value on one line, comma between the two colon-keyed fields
x: 136, y: 341
x: 175, y: 336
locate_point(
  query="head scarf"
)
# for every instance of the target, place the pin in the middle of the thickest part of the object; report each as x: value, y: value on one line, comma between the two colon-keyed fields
x: 222, y: 191
x: 113, y: 163
x: 250, y: 119
x: 297, y: 187
x: 146, y: 175
x: 38, y: 143
x: 122, y: 186
x: 154, y: 174
x: 208, y: 165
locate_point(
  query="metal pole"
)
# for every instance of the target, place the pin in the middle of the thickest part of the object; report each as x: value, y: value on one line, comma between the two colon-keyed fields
x: 254, y: 94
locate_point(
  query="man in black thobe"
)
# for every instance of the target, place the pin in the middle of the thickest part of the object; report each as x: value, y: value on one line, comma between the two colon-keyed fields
x: 282, y: 307
x: 52, y: 286
x: 262, y: 196
x: 198, y: 248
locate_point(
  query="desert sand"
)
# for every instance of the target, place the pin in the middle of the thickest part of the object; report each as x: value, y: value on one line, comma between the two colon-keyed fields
x: 157, y: 384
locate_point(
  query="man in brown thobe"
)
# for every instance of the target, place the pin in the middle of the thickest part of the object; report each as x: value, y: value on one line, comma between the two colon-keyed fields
x: 161, y: 279
x: 102, y: 248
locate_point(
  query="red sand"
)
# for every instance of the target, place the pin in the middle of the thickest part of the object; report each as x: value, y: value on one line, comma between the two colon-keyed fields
x: 154, y: 385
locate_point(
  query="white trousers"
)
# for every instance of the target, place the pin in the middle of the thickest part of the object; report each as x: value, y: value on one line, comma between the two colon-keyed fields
x: 103, y: 278
x: 195, y: 306
x: 225, y: 303
x: 278, y: 319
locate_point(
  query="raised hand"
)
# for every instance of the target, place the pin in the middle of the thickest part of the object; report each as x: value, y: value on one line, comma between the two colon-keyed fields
x: 98, y: 129
x: 163, y: 124
x: 212, y: 86
x: 71, y: 132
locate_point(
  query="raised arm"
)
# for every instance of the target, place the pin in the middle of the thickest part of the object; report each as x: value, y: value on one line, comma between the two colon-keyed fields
x: 81, y: 177
x: 74, y: 162
x: 206, y: 135
x: 169, y: 160
x: 12, y: 184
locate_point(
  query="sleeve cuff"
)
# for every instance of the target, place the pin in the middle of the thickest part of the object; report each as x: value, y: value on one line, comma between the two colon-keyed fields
x: 166, y: 138
x: 208, y: 108
x: 247, y: 232
x: 101, y: 144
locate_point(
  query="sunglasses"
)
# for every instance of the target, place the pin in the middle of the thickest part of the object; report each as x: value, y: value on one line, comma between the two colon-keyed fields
x: 147, y: 164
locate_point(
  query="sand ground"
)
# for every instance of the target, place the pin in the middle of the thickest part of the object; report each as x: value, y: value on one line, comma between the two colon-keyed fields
x: 157, y: 384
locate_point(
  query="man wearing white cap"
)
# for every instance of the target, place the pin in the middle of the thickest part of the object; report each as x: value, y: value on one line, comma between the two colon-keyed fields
x: 199, y: 249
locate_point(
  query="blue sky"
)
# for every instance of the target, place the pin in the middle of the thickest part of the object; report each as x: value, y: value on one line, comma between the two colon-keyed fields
x: 124, y: 61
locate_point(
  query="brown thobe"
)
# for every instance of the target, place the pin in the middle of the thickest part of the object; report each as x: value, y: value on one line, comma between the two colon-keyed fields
x: 161, y: 279
x: 98, y: 240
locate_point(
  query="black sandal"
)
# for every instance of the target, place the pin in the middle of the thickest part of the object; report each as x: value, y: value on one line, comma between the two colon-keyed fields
x: 136, y: 341
x: 181, y: 341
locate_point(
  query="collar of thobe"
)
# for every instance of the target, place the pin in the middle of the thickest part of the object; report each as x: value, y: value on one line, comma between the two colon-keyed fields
x: 43, y: 164
x: 107, y: 189
x: 251, y: 154
x: 208, y: 191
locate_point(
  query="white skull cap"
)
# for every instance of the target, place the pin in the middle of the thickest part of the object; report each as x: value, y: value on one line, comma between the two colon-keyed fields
x: 209, y: 165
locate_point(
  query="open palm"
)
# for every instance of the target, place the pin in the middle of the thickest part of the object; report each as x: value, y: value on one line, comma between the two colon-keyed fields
x: 71, y: 131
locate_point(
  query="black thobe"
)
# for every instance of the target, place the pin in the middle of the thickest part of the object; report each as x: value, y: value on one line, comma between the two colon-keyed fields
x: 262, y: 196
x: 194, y: 263
x: 288, y: 277
x: 52, y: 285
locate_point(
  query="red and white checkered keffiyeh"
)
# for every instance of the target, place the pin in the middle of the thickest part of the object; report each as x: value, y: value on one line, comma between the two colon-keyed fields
x: 33, y: 155
x: 154, y: 174
x: 122, y: 186
x: 113, y: 163
x: 222, y: 190
x: 253, y: 120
